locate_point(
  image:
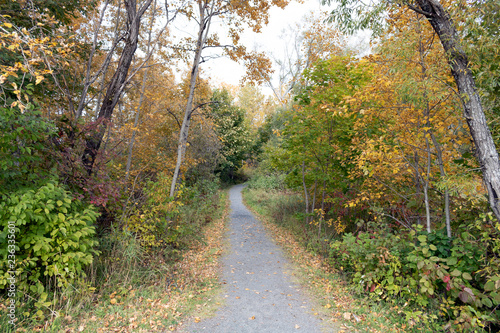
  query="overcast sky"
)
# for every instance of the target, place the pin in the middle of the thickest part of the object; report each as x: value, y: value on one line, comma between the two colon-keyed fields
x: 225, y: 70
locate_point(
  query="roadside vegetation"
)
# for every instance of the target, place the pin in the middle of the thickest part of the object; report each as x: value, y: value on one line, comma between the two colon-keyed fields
x: 374, y: 170
x: 382, y: 164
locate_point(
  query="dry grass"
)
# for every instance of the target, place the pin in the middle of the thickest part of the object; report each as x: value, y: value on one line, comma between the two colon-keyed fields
x: 325, y: 283
x: 181, y: 290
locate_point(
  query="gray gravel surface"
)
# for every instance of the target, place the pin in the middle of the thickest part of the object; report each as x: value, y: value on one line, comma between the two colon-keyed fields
x: 259, y: 293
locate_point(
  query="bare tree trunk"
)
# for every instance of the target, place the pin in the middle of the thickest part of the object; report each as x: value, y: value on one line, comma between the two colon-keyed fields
x: 486, y: 152
x: 322, y: 208
x: 204, y: 27
x: 88, y: 80
x: 426, y: 187
x: 418, y: 189
x: 117, y: 84
x: 306, y: 193
x: 141, y: 99
x: 439, y: 154
x: 313, y: 203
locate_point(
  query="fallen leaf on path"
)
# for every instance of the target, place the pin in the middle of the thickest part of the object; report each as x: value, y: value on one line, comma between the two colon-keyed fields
x: 197, y: 319
x: 252, y: 318
x: 297, y: 326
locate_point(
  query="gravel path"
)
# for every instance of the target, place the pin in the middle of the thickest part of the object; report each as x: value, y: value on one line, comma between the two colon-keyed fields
x: 259, y: 293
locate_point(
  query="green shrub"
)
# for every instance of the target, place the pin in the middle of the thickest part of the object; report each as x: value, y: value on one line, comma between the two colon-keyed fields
x: 273, y: 181
x: 47, y: 238
x: 458, y: 276
x: 22, y: 147
x: 165, y: 224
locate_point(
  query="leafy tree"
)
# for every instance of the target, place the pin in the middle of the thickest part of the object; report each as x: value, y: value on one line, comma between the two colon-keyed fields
x: 316, y: 150
x: 353, y: 15
x: 232, y: 131
x: 26, y: 14
x: 306, y: 42
x: 118, y: 82
x: 235, y: 15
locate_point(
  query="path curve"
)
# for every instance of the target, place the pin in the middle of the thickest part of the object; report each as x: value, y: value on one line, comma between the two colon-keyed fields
x: 259, y: 293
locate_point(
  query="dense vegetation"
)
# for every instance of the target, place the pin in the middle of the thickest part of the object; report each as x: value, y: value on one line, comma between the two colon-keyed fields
x: 110, y: 165
x: 391, y: 191
x: 91, y: 114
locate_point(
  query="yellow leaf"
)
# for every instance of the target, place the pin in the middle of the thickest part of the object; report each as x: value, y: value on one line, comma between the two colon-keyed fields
x: 252, y: 318
x: 8, y: 25
x: 39, y: 79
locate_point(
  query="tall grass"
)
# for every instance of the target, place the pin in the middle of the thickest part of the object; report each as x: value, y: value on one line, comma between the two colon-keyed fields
x: 124, y: 265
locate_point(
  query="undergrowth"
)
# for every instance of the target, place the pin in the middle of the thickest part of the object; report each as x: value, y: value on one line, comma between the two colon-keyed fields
x: 131, y: 287
x: 327, y: 279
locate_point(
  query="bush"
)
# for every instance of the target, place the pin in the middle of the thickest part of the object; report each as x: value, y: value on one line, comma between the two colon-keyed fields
x: 459, y: 276
x: 22, y: 147
x: 272, y: 181
x: 47, y: 237
x: 164, y: 223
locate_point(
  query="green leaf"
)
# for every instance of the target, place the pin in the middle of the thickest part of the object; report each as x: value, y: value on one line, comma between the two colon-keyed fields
x: 467, y: 276
x: 496, y: 297
x: 487, y: 302
x: 456, y: 272
x: 432, y: 247
x: 422, y: 238
x: 61, y: 217
x: 451, y: 261
x: 489, y: 286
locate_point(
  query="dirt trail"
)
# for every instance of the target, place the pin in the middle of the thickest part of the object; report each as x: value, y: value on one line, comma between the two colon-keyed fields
x: 259, y: 293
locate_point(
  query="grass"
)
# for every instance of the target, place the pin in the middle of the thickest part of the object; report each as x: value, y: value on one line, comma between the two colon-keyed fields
x: 338, y: 299
x: 137, y: 291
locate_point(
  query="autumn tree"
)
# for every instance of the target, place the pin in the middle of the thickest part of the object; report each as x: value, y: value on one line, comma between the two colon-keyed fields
x: 235, y: 16
x: 352, y: 15
x: 317, y: 150
x: 256, y: 105
x: 117, y: 84
x: 306, y: 42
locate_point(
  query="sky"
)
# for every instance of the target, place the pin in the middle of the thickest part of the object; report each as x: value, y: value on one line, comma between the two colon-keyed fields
x: 227, y: 71
x: 223, y: 70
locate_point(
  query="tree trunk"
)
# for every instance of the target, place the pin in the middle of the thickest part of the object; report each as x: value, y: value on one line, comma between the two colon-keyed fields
x: 427, y: 181
x: 306, y: 193
x: 141, y: 99
x: 485, y: 149
x: 183, y: 135
x: 116, y: 85
x: 439, y: 155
